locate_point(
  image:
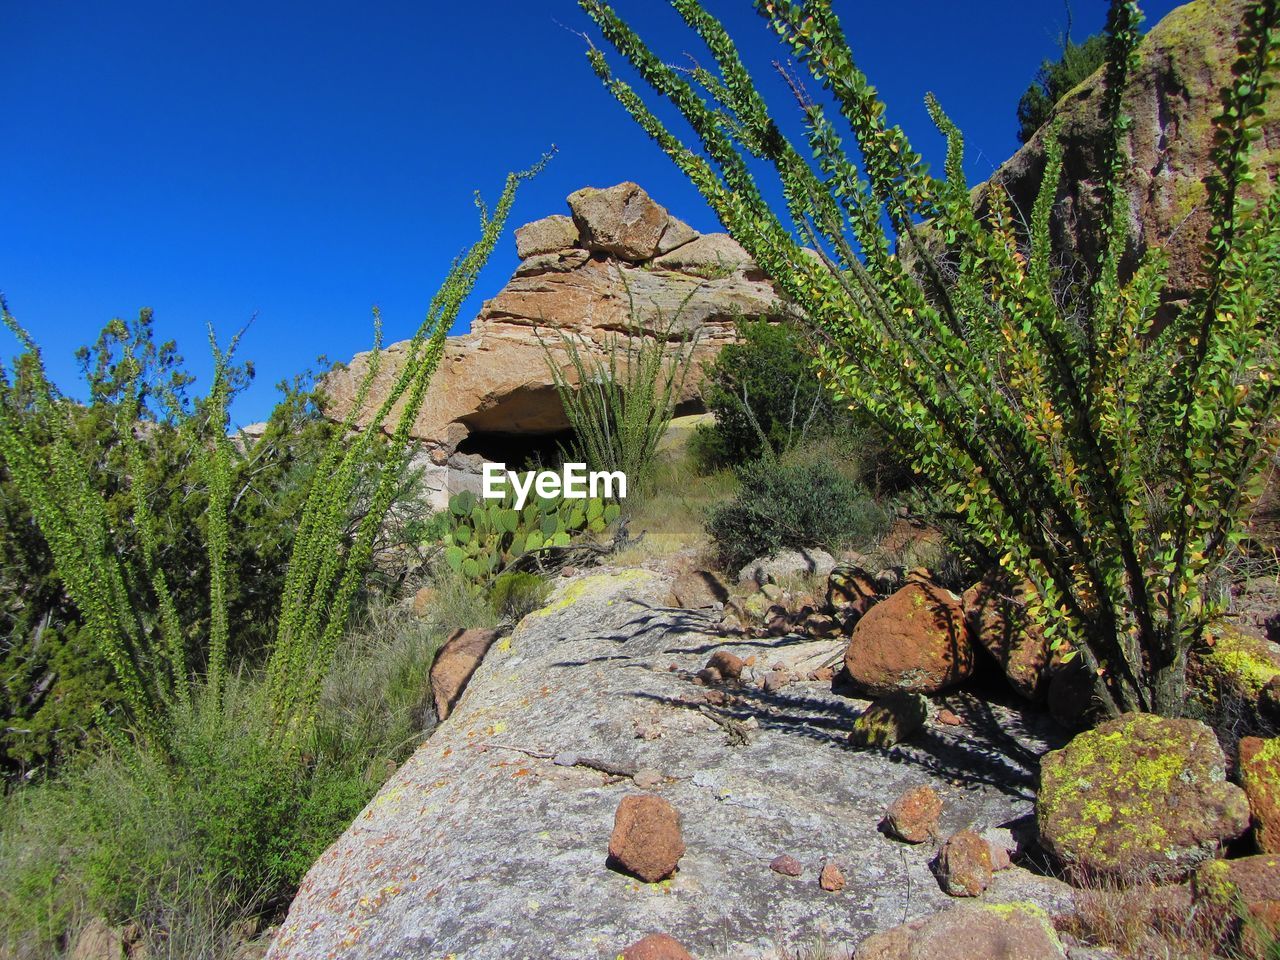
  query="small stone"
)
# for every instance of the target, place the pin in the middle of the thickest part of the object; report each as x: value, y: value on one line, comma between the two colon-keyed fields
x: 709, y: 676
x: 964, y: 866
x: 787, y: 865
x: 729, y: 665
x: 717, y: 698
x: 824, y: 674
x: 647, y: 840
x: 831, y: 879
x: 821, y: 625
x: 949, y: 718
x: 1000, y: 859
x: 656, y: 946
x: 566, y: 760
x: 646, y: 778
x: 772, y: 591
x: 913, y: 817
x: 776, y: 680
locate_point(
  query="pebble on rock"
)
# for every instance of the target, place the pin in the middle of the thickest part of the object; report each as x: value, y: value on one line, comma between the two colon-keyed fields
x: 913, y: 817
x: 647, y: 840
x: 964, y: 866
x: 787, y: 865
x: 656, y: 946
x: 831, y: 879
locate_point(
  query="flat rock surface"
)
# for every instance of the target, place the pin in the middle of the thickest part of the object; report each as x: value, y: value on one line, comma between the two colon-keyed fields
x: 476, y: 850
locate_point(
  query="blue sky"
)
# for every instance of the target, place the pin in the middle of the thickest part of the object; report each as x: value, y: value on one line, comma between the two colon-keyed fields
x: 298, y: 163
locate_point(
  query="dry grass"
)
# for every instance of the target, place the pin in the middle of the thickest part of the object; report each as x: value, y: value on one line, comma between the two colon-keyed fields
x: 1150, y: 923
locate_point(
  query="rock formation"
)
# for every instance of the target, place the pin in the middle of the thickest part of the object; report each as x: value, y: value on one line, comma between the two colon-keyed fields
x: 492, y: 840
x: 1185, y: 61
x: 622, y: 263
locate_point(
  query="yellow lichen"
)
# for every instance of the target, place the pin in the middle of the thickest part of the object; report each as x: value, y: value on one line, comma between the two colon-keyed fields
x: 1242, y: 661
x: 587, y: 586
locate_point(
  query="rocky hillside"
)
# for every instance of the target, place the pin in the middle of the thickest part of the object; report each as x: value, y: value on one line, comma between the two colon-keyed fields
x: 621, y: 263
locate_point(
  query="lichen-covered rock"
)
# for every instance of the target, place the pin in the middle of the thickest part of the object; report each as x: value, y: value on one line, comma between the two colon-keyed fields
x: 454, y: 665
x: 1016, y: 931
x: 889, y: 721
x: 1246, y: 894
x: 479, y: 850
x: 1232, y: 663
x: 1260, y: 777
x: 1138, y: 797
x: 548, y: 235
x: 913, y: 817
x: 996, y: 612
x: 1184, y: 61
x: 964, y: 865
x: 647, y: 841
x: 656, y: 946
x: 914, y: 641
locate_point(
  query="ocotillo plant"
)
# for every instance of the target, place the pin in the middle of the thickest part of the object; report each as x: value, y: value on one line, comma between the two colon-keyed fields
x: 1103, y: 459
x: 143, y: 641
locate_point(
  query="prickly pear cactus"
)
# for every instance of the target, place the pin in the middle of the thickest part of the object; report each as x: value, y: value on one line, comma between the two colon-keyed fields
x: 486, y: 535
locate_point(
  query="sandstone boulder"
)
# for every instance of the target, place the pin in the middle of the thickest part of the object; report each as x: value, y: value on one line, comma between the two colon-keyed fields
x: 1018, y: 931
x: 851, y: 592
x: 548, y: 235
x: 1139, y: 797
x: 625, y: 222
x: 914, y: 816
x: 454, y: 665
x: 647, y: 841
x: 914, y: 641
x: 1260, y: 777
x: 710, y: 256
x: 494, y: 389
x: 996, y: 613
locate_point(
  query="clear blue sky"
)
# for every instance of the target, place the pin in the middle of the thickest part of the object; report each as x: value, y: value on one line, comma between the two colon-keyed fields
x: 301, y: 162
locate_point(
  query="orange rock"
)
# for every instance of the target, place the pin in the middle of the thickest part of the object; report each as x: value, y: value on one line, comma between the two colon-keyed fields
x: 647, y: 840
x: 656, y: 946
x: 964, y: 866
x: 913, y: 817
x: 454, y: 665
x: 915, y: 641
x: 831, y: 879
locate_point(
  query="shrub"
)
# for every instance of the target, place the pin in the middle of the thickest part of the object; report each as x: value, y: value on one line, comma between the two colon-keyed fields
x: 792, y: 505
x: 517, y: 593
x: 763, y: 389
x: 1104, y: 459
x: 620, y: 404
x: 1056, y: 78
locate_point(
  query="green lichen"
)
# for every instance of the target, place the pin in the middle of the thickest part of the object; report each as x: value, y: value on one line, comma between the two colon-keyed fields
x: 590, y: 586
x: 1102, y: 796
x: 1241, y: 661
x: 1007, y: 912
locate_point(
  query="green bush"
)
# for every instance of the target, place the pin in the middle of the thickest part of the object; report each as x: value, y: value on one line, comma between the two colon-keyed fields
x: 764, y: 389
x: 1056, y: 78
x: 1101, y: 453
x: 784, y: 504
